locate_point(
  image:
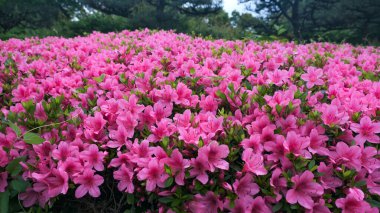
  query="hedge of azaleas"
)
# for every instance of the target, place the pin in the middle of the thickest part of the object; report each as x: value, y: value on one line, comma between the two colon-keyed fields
x: 175, y: 123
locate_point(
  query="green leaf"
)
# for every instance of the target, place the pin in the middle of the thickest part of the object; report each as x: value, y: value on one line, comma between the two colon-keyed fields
x: 100, y: 78
x: 278, y: 109
x: 29, y: 106
x: 14, y: 166
x: 347, y: 173
x: 244, y: 97
x: 373, y: 203
x: 277, y: 207
x: 168, y: 170
x: 360, y: 183
x: 221, y: 95
x: 130, y: 199
x: 33, y: 138
x: 231, y: 88
x: 15, y: 128
x: 165, y: 142
x: 4, y: 201
x: 165, y: 199
x: 201, y: 143
x: 19, y: 185
x: 311, y: 164
x: 192, y: 71
x: 169, y: 182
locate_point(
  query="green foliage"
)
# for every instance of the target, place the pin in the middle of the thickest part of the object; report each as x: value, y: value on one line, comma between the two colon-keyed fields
x: 328, y: 20
x: 32, y: 138
x: 303, y: 20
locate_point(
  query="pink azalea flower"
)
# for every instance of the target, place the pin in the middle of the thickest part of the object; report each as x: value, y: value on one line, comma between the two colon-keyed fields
x: 348, y: 156
x: 373, y: 182
x: 141, y: 153
x: 215, y: 154
x: 119, y: 136
x: 21, y: 94
x: 30, y: 197
x: 94, y: 126
x: 125, y: 176
x: 161, y: 111
x: 154, y: 174
x: 189, y: 136
x: 353, y: 202
x: 212, y: 125
x: 128, y: 121
x: 259, y: 205
x: 331, y: 115
x: 184, y: 94
x: 259, y: 124
x: 303, y: 190
x: 160, y: 154
x: 132, y: 106
x: 276, y: 149
x: 110, y: 109
x: 122, y: 158
x: 3, y: 181
x: 288, y: 124
x: 208, y: 104
x: 72, y: 166
x: 200, y: 166
x: 93, y: 157
x: 317, y: 143
x: 65, y: 150
x: 296, y: 145
x: 183, y: 120
x: 366, y: 131
x: 167, y: 95
x: 253, y: 142
x: 89, y: 183
x: 267, y: 134
x: 44, y: 150
x: 242, y: 204
x: 146, y: 117
x: 313, y: 77
x: 369, y: 160
x: 40, y: 112
x: 52, y: 183
x: 278, y: 183
x: 328, y: 180
x: 253, y: 162
x: 178, y: 166
x: 209, y: 203
x: 57, y: 182
x: 164, y: 129
x: 319, y: 207
x: 245, y: 186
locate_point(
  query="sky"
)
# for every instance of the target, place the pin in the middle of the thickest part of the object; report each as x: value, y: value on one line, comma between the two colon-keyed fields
x: 231, y: 5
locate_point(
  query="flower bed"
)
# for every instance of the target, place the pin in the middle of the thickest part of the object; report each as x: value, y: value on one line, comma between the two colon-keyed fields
x: 158, y: 121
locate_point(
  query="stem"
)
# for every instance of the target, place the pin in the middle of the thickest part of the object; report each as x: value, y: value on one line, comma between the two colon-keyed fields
x: 46, y: 125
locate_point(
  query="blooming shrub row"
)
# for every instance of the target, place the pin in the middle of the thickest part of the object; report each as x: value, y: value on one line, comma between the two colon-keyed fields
x: 158, y: 121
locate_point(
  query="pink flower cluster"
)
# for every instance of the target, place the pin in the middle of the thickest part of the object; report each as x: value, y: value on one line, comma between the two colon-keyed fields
x: 187, y: 124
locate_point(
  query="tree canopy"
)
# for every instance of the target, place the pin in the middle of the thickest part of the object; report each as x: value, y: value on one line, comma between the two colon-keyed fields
x: 301, y: 20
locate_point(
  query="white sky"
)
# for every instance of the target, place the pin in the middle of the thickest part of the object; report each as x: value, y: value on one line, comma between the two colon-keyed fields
x: 231, y: 5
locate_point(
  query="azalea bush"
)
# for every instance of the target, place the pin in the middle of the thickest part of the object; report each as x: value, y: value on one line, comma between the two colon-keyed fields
x: 163, y: 122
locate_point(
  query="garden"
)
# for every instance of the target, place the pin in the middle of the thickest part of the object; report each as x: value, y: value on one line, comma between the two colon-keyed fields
x: 158, y: 121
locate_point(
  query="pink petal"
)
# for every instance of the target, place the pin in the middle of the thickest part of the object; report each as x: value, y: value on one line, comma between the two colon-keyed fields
x: 94, y: 191
x: 81, y: 191
x: 291, y: 196
x: 306, y: 201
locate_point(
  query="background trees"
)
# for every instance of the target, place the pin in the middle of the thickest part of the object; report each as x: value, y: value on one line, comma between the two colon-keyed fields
x: 354, y: 21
